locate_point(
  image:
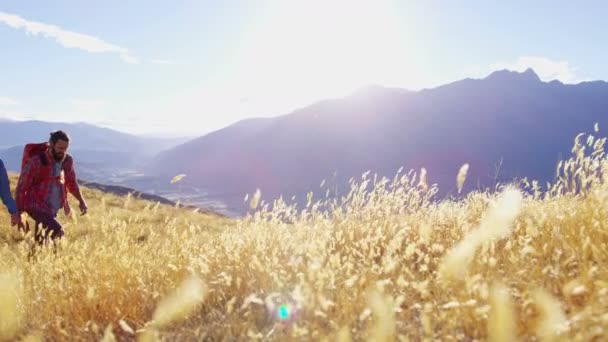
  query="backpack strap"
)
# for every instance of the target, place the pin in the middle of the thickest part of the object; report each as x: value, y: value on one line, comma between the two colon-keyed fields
x: 43, y: 159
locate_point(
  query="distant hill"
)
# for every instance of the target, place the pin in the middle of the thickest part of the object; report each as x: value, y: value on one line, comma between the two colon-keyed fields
x: 125, y: 191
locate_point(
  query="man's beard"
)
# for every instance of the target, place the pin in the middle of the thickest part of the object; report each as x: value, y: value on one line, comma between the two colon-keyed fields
x: 58, y: 157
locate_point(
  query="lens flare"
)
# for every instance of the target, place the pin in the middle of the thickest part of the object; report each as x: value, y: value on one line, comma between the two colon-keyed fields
x: 283, y: 312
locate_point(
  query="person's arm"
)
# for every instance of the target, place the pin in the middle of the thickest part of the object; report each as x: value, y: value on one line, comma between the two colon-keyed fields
x: 5, y: 191
x: 71, y: 183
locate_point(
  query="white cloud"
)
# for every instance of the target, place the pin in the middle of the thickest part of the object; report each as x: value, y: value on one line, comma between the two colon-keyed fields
x: 68, y: 39
x: 7, y: 101
x: 547, y: 69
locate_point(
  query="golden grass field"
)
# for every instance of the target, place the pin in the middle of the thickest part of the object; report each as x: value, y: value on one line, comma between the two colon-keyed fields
x: 384, y: 263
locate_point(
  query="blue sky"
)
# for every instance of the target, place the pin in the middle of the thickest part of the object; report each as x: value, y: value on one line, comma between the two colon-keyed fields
x: 191, y: 67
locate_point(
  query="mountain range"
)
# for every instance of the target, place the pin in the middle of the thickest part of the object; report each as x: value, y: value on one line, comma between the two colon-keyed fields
x: 506, y: 125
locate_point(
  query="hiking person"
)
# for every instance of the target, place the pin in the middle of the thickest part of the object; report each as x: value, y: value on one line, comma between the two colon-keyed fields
x: 47, y: 175
x: 7, y: 197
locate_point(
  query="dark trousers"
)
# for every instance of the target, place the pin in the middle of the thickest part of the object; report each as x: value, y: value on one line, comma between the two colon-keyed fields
x: 49, y: 224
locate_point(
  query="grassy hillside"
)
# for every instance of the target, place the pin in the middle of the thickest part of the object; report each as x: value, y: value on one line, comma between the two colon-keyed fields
x: 384, y: 263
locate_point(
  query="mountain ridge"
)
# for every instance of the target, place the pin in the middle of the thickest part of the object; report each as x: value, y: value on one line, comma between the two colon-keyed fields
x: 508, y: 116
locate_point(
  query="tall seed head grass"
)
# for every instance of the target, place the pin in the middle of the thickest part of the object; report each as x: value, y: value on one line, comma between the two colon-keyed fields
x: 496, y: 224
x: 358, y: 266
x: 384, y: 315
x: 502, y: 325
x: 552, y: 322
x: 11, y: 305
x: 179, y: 304
x: 462, y: 176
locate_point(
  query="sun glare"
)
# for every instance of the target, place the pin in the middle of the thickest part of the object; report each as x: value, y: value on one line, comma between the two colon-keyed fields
x: 324, y: 48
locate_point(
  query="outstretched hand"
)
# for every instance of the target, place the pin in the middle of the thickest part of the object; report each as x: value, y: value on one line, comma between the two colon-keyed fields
x: 83, y: 208
x: 16, y: 221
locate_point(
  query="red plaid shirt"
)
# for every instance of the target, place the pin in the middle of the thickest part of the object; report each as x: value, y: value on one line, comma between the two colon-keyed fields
x: 34, y: 186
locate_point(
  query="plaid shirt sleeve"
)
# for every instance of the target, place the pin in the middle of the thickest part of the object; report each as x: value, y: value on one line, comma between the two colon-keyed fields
x: 24, y: 185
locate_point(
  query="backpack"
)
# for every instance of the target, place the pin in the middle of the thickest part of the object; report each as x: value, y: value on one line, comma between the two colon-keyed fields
x: 35, y: 149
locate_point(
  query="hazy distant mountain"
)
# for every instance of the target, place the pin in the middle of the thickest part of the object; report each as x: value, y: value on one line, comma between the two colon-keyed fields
x: 85, y: 136
x: 99, y: 152
x: 508, y: 116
